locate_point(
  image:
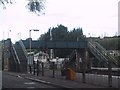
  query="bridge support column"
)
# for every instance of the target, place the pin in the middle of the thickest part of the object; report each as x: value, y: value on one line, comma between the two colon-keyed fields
x: 89, y: 62
x: 84, y: 61
x: 77, y: 60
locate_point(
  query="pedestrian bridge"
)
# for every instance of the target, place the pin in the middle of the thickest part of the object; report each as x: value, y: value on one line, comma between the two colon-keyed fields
x: 17, y: 53
x: 35, y: 44
x: 14, y: 56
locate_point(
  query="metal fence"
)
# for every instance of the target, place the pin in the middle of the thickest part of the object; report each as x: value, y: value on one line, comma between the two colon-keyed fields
x: 93, y: 77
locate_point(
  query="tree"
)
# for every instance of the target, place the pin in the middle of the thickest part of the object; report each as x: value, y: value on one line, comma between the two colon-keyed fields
x: 61, y: 33
x: 76, y: 34
x: 110, y: 43
x: 36, y: 6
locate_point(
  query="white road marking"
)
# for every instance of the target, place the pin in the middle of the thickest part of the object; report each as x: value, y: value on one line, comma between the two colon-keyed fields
x: 30, y: 87
x: 19, y: 76
x: 29, y: 83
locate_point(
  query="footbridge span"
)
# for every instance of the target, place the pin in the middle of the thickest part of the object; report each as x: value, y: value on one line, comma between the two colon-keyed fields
x: 15, y: 55
x: 35, y: 44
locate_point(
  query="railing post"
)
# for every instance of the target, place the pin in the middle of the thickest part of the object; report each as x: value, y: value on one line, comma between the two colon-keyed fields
x: 109, y: 73
x: 84, y: 65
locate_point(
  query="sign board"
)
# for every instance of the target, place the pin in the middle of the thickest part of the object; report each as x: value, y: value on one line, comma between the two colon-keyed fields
x: 80, y: 59
x: 30, y: 59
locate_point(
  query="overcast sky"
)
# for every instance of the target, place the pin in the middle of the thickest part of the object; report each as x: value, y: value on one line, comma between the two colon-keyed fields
x: 97, y: 17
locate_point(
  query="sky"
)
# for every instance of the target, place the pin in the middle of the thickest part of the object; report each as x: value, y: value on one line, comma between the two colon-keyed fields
x: 96, y: 17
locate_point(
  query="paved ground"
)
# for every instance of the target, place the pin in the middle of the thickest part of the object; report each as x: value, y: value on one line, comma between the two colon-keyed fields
x: 92, y: 79
x: 57, y: 81
x: 10, y: 81
x: 54, y: 81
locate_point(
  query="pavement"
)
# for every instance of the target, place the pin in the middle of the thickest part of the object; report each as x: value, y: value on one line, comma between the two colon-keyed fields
x: 58, y: 82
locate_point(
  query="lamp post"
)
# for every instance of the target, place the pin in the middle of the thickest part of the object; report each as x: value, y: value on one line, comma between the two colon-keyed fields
x: 3, y: 52
x: 51, y: 50
x: 9, y: 33
x: 19, y: 35
x: 30, y: 36
x: 30, y: 45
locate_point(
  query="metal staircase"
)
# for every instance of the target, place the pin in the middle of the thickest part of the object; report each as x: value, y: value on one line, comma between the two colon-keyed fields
x: 70, y: 60
x: 9, y: 56
x: 100, y: 53
x: 15, y: 62
x: 22, y: 55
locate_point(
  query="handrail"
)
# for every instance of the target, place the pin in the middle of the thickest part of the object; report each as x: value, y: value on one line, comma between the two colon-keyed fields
x: 102, y: 51
x: 101, y: 47
x: 15, y: 53
x: 106, y: 53
x: 97, y: 50
x: 23, y: 47
x: 111, y: 58
x: 12, y: 51
x: 69, y: 56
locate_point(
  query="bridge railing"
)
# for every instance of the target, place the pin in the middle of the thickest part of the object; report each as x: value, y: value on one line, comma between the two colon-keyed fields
x: 24, y: 49
x: 102, y: 51
x: 15, y: 53
x: 94, y: 50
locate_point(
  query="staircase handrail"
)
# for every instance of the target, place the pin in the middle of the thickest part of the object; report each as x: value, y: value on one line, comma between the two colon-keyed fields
x: 14, y: 56
x: 106, y: 53
x: 103, y: 51
x: 89, y: 43
x: 23, y: 47
x: 101, y: 47
x: 15, y: 53
x: 71, y: 55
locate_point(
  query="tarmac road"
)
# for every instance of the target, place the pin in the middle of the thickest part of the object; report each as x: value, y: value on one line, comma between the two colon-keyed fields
x: 9, y: 81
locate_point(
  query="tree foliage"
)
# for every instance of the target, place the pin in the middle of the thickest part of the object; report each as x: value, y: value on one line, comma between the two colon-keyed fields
x: 36, y: 6
x: 110, y: 43
x: 61, y: 33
